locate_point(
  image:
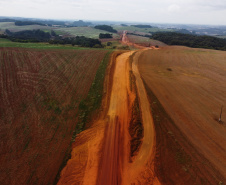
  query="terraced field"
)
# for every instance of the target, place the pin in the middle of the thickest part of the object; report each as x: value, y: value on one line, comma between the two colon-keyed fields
x: 40, y: 91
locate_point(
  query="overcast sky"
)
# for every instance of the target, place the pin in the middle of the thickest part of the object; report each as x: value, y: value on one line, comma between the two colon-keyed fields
x: 152, y: 11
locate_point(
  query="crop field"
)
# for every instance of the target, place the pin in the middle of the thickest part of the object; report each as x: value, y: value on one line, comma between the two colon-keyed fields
x: 145, y: 41
x: 73, y: 31
x: 13, y: 28
x: 190, y: 86
x: 83, y: 31
x: 142, y: 30
x: 40, y: 91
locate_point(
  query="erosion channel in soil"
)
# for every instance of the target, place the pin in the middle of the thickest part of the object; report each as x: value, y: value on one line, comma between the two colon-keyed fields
x: 102, y: 154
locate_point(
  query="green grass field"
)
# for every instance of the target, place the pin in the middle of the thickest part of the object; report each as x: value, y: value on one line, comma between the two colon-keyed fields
x: 82, y: 31
x: 8, y: 43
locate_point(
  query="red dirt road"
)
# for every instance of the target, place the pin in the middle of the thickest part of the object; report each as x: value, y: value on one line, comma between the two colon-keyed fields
x: 108, y: 149
x: 115, y: 148
x: 114, y: 165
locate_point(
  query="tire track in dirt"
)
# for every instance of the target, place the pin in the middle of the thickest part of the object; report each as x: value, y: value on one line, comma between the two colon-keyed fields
x: 108, y: 151
x: 115, y: 150
x: 114, y: 166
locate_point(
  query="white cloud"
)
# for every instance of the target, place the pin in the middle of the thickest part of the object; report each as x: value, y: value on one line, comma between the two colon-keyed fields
x: 176, y: 11
x: 174, y: 8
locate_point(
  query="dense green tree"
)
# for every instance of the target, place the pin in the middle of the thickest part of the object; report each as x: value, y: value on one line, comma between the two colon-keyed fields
x: 106, y: 28
x: 172, y: 38
x: 105, y: 35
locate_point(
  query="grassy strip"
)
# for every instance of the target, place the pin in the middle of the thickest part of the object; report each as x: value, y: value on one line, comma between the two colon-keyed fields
x: 8, y: 43
x: 88, y: 107
x: 93, y: 101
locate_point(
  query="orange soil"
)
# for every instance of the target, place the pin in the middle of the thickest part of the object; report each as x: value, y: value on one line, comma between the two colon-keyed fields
x: 115, y: 149
x: 105, y: 147
x: 144, y: 160
x: 101, y: 153
x: 126, y: 41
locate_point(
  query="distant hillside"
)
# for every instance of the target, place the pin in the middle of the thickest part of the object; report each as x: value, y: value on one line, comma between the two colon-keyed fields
x: 172, y: 38
x: 81, y: 23
x: 7, y: 20
x: 142, y: 26
x: 24, y: 23
x: 184, y: 31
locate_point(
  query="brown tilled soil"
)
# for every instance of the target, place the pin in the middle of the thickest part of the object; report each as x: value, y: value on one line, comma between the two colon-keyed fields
x: 40, y: 91
x: 186, y: 89
x: 144, y: 41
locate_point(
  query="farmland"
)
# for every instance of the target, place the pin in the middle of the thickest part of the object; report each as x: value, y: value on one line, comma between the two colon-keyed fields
x: 144, y: 41
x: 89, y: 32
x: 12, y: 27
x: 46, y: 46
x: 142, y: 30
x: 40, y: 94
x: 186, y: 90
x: 83, y: 31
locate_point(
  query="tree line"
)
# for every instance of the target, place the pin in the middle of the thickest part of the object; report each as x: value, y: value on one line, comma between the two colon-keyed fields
x: 146, y: 35
x: 25, y: 23
x: 195, y: 41
x: 106, y: 28
x: 52, y: 38
x: 79, y: 41
x: 28, y: 35
x: 105, y: 36
x: 142, y: 26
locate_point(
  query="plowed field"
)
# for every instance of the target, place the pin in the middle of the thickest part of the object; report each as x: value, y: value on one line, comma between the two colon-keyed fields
x: 144, y: 41
x: 40, y: 92
x: 187, y: 88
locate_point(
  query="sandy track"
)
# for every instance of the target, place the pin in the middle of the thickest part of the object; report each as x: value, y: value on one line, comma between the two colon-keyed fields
x: 116, y: 132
